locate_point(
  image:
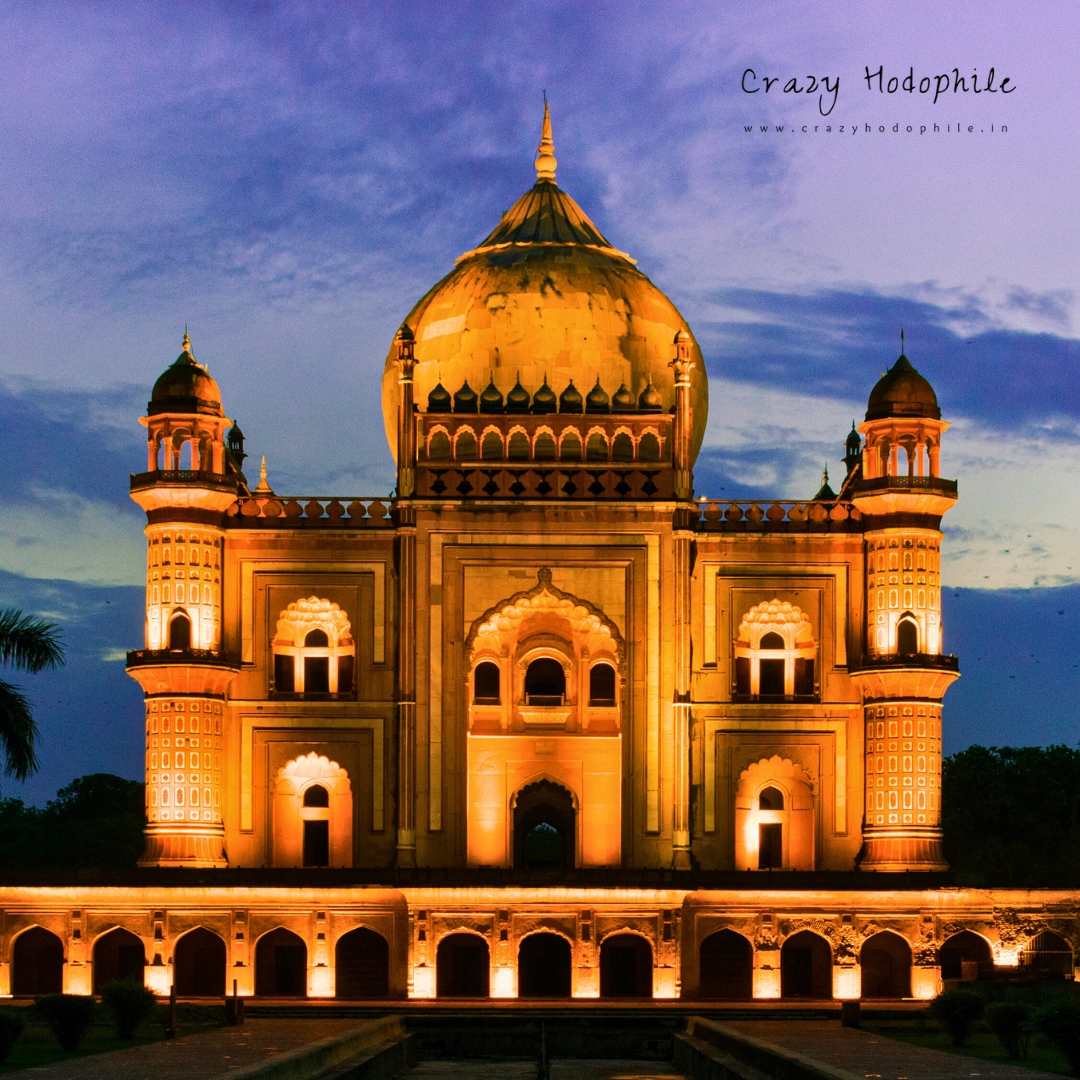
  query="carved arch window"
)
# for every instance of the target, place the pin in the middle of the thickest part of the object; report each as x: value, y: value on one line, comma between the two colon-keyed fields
x: 313, y: 649
x: 775, y: 653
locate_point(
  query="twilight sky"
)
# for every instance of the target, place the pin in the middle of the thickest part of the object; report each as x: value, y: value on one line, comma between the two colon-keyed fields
x: 288, y: 178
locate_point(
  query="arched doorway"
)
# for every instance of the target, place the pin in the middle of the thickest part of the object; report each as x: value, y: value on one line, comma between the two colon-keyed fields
x: 462, y: 967
x: 199, y: 964
x: 726, y: 967
x: 544, y: 963
x: 281, y: 965
x: 37, y: 963
x: 362, y: 964
x: 545, y: 830
x: 626, y: 967
x: 806, y: 967
x: 180, y: 633
x: 966, y: 957
x: 886, y: 966
x: 1048, y: 954
x: 119, y: 954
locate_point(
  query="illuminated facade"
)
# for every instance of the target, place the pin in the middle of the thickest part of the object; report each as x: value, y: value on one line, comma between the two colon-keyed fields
x: 549, y: 673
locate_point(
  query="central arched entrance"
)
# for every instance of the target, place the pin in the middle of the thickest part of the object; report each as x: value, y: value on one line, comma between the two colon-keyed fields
x: 199, y: 964
x: 544, y: 963
x: 966, y: 957
x: 726, y: 967
x: 545, y: 827
x: 362, y: 965
x: 886, y: 966
x: 37, y: 963
x: 806, y: 967
x: 119, y: 954
x: 626, y: 967
x: 462, y: 967
x: 281, y: 965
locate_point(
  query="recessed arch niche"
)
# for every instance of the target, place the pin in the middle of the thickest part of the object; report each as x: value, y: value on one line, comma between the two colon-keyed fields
x: 312, y: 813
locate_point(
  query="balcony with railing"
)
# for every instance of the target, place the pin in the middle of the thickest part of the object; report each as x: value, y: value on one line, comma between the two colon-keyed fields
x: 205, y: 657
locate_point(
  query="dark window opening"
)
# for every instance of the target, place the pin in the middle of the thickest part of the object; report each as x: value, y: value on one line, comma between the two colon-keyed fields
x: 570, y: 448
x: 544, y: 848
x: 726, y: 967
x: 462, y: 967
x: 806, y: 967
x: 363, y: 965
x: 284, y: 674
x: 439, y: 446
x: 649, y: 448
x: 772, y: 640
x: 199, y: 964
x: 37, y: 963
x: 907, y: 637
x: 544, y: 827
x: 344, y: 674
x: 317, y: 843
x: 492, y: 447
x: 281, y: 965
x: 596, y: 448
x: 770, y: 846
x: 519, y: 446
x: 180, y: 633
x: 771, y: 678
x: 544, y: 963
x: 886, y: 967
x: 742, y: 675
x: 804, y: 676
x: 466, y: 446
x: 317, y: 795
x: 544, y: 447
x: 602, y: 685
x: 119, y: 954
x: 545, y: 682
x: 771, y: 799
x: 486, y: 684
x: 622, y: 449
x: 316, y: 674
x: 966, y: 956
x: 317, y: 639
x: 626, y: 967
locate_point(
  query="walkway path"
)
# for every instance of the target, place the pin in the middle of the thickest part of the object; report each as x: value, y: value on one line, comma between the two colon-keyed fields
x: 863, y: 1054
x: 526, y: 1070
x: 197, y: 1057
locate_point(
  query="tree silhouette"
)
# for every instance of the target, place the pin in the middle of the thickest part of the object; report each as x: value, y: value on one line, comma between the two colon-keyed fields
x: 30, y: 644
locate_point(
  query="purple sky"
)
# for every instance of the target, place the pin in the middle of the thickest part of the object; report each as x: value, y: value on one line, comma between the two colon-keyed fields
x: 288, y: 178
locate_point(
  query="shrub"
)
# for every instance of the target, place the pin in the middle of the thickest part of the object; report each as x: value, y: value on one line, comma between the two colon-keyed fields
x: 956, y: 1011
x: 1011, y: 1022
x: 1060, y: 1022
x: 68, y: 1016
x: 130, y: 1004
x: 11, y: 1025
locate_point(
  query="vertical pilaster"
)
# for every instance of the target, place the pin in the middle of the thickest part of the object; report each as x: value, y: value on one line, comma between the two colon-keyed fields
x: 683, y: 431
x: 683, y: 551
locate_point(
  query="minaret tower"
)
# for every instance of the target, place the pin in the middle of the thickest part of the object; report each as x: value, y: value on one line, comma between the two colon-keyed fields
x: 191, y: 480
x: 904, y: 674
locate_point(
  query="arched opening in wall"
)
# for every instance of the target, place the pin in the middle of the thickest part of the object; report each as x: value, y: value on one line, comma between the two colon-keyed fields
x: 806, y: 967
x: 626, y: 967
x: 570, y: 447
x: 37, y: 963
x: 486, y: 684
x: 770, y: 833
x: 119, y: 954
x: 907, y: 637
x: 491, y: 449
x: 545, y: 682
x: 180, y: 632
x: 622, y: 449
x: 439, y: 446
x: 465, y: 448
x: 772, y: 671
x: 602, y: 685
x: 649, y: 448
x: 1047, y: 954
x: 544, y: 447
x: 462, y: 967
x: 544, y: 827
x: 519, y: 447
x: 316, y: 668
x: 596, y: 448
x: 966, y: 957
x: 184, y: 455
x: 544, y: 963
x: 199, y: 964
x: 281, y: 965
x: 316, y: 815
x: 886, y: 966
x: 362, y: 965
x: 726, y: 967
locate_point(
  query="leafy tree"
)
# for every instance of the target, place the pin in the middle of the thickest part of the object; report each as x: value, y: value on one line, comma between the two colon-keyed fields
x: 27, y: 643
x: 956, y: 1011
x: 1012, y: 814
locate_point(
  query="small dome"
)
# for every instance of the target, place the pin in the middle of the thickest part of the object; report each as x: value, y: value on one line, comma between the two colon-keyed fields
x: 544, y: 399
x: 517, y: 401
x: 439, y: 399
x: 853, y: 444
x: 491, y: 400
x: 902, y: 392
x: 185, y: 387
x: 651, y: 399
x: 623, y: 401
x: 465, y: 399
x: 597, y: 400
x: 570, y: 399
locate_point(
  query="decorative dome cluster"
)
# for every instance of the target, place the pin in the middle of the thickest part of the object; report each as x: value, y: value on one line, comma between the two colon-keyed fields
x: 519, y: 401
x: 775, y: 613
x: 304, y: 615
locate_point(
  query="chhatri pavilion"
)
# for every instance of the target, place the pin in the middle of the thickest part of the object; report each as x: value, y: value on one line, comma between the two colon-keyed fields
x: 545, y: 723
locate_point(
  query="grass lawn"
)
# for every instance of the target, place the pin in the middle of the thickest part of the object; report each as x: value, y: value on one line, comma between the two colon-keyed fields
x: 982, y: 1045
x: 37, y: 1045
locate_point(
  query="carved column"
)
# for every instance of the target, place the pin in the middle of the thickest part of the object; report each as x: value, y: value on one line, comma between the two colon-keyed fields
x: 682, y: 435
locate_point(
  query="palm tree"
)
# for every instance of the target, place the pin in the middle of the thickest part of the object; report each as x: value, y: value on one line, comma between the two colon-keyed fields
x: 27, y: 643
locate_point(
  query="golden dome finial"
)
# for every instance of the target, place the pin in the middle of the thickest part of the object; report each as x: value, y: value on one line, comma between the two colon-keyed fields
x: 545, y: 152
x: 187, y: 342
x: 263, y: 487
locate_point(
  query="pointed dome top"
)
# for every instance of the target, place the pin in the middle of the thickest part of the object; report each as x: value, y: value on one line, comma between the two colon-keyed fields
x: 439, y: 399
x: 491, y: 400
x: 517, y: 401
x: 825, y: 492
x: 597, y: 400
x: 623, y: 401
x: 650, y: 399
x: 185, y: 387
x: 570, y: 399
x: 544, y: 399
x: 465, y: 398
x: 545, y: 152
x: 902, y: 392
x: 853, y: 443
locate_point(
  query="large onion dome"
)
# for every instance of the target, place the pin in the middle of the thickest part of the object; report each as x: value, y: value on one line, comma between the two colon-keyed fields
x: 546, y: 295
x: 185, y: 387
x: 902, y: 392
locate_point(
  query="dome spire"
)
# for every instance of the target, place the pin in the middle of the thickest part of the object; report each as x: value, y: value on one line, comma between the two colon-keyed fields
x: 545, y: 152
x: 187, y: 342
